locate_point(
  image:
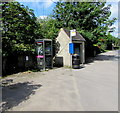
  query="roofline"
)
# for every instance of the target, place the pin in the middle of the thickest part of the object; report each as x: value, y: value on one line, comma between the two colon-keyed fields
x: 76, y: 32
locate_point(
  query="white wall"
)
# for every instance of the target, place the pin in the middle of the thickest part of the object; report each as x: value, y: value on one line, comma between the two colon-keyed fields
x: 63, y: 52
x: 64, y: 40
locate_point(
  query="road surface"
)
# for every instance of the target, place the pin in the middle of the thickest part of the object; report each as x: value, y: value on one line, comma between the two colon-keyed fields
x: 92, y: 88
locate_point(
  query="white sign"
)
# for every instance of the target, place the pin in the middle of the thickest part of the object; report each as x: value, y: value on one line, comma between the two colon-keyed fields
x: 27, y: 58
x: 73, y: 32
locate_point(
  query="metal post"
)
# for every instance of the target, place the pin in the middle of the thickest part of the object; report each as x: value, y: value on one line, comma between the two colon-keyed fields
x: 70, y: 54
x: 83, y: 52
x: 71, y: 34
x: 51, y: 55
x: 44, y: 55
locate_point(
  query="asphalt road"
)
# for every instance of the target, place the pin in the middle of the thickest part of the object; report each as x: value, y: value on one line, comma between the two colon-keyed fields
x: 92, y: 88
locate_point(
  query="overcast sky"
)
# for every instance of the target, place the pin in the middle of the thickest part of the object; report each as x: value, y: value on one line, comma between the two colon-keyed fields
x: 43, y: 8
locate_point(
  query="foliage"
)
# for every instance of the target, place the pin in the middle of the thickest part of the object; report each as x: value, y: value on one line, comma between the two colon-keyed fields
x: 91, y: 19
x: 19, y: 28
x: 117, y: 42
x: 48, y: 29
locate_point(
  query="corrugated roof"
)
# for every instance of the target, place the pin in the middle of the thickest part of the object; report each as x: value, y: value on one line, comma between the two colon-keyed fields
x: 78, y: 36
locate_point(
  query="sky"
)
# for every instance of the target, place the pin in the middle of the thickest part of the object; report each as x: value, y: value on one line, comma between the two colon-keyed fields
x: 43, y: 8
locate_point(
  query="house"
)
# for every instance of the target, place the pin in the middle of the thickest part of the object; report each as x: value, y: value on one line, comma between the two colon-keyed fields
x: 63, y: 57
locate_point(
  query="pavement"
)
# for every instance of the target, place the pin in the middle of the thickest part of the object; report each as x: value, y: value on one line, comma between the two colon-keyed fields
x: 92, y: 88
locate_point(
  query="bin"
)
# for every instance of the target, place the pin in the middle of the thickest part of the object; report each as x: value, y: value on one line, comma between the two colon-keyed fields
x: 75, y: 61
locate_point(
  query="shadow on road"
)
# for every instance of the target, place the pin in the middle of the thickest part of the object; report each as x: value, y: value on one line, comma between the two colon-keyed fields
x: 103, y: 57
x: 14, y: 94
x: 106, y: 57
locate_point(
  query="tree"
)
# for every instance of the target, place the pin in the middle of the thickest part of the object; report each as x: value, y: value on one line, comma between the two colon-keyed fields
x: 48, y: 27
x: 91, y: 19
x: 20, y: 28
